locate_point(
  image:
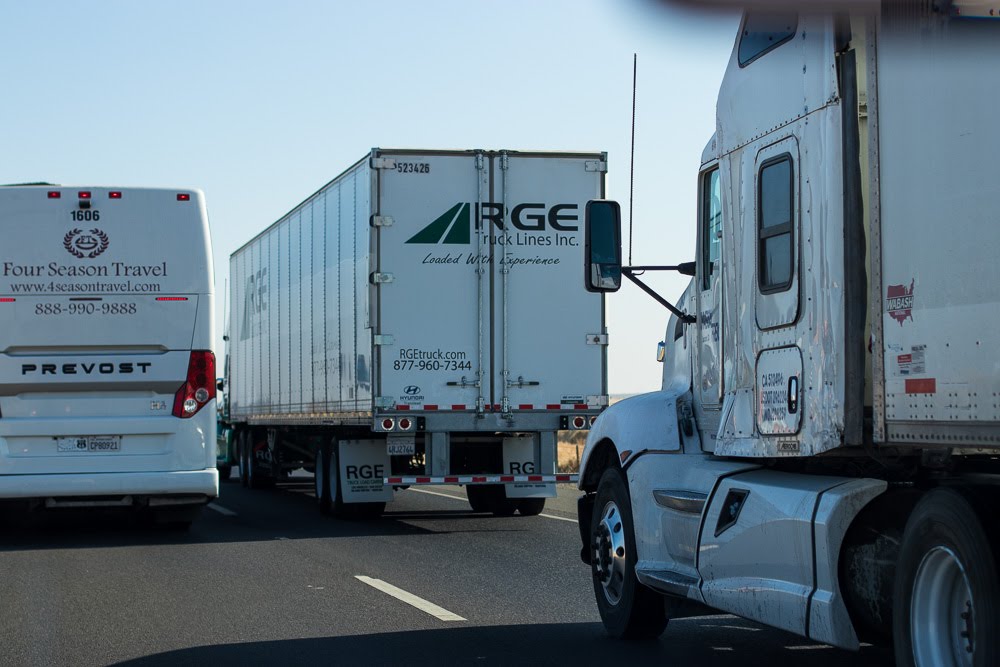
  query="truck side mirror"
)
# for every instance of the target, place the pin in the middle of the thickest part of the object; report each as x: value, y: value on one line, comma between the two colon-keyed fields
x: 602, y: 246
x: 220, y: 384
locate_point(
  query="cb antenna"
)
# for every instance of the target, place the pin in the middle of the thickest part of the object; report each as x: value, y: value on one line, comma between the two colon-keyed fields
x: 631, y: 177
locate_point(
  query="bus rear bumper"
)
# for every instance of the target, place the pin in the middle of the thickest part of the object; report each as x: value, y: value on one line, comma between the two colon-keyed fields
x: 154, y: 488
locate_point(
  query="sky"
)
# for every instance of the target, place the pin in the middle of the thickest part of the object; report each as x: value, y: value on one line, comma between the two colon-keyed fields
x: 259, y: 104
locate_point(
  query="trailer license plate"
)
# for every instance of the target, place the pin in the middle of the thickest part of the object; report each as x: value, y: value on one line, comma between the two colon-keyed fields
x: 401, y: 445
x: 90, y: 443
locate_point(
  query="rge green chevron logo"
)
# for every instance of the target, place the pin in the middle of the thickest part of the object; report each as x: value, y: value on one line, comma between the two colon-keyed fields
x: 454, y: 226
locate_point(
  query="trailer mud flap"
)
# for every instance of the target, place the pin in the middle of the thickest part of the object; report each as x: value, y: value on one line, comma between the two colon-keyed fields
x: 363, y: 467
x: 521, y: 457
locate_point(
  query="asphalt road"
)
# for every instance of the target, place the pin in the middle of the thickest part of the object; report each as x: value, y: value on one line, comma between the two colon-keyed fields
x: 262, y: 578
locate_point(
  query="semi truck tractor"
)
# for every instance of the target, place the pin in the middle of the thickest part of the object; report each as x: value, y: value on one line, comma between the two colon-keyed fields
x: 419, y: 320
x: 822, y: 456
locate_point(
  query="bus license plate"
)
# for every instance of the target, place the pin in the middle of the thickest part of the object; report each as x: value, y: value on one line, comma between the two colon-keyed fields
x: 89, y: 443
x: 401, y: 445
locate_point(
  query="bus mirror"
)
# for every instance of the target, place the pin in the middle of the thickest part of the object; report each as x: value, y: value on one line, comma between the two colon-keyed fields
x: 602, y: 246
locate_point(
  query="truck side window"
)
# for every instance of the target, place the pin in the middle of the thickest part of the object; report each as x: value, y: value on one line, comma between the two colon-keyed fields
x: 711, y: 222
x: 763, y: 31
x: 775, y: 225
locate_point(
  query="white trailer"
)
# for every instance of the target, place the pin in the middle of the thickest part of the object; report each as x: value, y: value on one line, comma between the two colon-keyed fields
x: 419, y: 320
x: 823, y: 454
x: 107, y: 377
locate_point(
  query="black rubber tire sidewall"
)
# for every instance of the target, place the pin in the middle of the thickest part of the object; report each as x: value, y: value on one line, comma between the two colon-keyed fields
x: 945, y: 518
x: 639, y: 614
x: 530, y: 506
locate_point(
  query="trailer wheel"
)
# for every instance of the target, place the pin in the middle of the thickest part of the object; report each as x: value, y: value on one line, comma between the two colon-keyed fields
x: 479, y: 497
x: 530, y: 506
x: 628, y: 609
x: 241, y: 449
x: 946, y: 597
x: 322, y: 477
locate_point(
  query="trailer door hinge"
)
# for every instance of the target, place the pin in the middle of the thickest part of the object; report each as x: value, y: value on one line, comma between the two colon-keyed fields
x: 480, y: 161
x: 503, y: 161
x: 377, y: 278
x: 384, y: 402
x: 597, y: 339
x: 596, y: 165
x: 383, y: 163
x: 383, y: 339
x: 382, y: 221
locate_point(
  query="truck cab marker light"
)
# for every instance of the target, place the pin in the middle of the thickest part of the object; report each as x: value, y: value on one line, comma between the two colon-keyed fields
x: 183, y: 196
x: 54, y: 194
x: 84, y: 194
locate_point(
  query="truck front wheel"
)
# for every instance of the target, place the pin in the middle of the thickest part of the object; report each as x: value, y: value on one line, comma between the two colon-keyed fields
x: 629, y: 609
x: 946, y: 596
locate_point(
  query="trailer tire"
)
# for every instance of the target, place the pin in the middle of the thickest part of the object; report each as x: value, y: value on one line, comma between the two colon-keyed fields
x: 478, y: 496
x: 628, y: 609
x: 946, y: 579
x: 530, y: 506
x: 256, y: 479
x: 322, y: 477
x: 241, y: 449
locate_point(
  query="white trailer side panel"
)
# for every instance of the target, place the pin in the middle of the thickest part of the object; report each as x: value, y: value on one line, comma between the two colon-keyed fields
x: 940, y: 229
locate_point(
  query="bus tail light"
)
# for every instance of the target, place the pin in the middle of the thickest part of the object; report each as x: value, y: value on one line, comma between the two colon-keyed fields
x: 199, y: 388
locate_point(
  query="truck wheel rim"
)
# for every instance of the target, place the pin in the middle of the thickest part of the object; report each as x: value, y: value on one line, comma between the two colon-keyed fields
x: 941, y: 612
x: 609, y: 553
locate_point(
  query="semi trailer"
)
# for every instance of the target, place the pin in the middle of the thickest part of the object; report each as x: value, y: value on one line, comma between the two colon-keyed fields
x: 418, y: 321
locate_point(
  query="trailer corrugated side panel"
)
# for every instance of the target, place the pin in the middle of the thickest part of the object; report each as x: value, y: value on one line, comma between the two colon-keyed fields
x: 940, y: 283
x: 299, y: 342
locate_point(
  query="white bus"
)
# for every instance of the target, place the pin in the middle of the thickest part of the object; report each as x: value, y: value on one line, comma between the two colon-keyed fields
x: 107, y: 375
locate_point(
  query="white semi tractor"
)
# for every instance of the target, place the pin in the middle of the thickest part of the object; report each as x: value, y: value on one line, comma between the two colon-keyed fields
x: 419, y: 320
x: 822, y: 456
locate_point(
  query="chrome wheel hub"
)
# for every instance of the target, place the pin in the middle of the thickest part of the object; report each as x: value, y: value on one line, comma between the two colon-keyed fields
x: 609, y: 553
x: 942, y: 614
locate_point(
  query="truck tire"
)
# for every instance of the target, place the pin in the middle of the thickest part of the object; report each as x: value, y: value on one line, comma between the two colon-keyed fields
x: 530, y: 506
x: 479, y: 497
x: 241, y: 449
x: 342, y: 510
x: 628, y: 609
x: 946, y: 597
x: 322, y: 477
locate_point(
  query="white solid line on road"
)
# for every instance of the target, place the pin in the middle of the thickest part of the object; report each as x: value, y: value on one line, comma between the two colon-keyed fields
x: 448, y: 495
x: 221, y: 510
x: 410, y: 599
x: 438, y: 493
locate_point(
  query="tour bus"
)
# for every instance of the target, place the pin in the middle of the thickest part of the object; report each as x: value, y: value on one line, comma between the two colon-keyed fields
x: 107, y: 375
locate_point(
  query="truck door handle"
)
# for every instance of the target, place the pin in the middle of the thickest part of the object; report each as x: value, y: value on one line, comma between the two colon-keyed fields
x: 793, y: 394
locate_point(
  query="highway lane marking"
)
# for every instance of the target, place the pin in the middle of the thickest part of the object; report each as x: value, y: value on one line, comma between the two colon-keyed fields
x: 409, y: 598
x: 448, y: 495
x: 221, y: 510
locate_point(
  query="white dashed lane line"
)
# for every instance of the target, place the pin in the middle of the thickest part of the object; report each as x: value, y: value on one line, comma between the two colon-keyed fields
x: 221, y: 510
x: 448, y: 495
x: 409, y: 598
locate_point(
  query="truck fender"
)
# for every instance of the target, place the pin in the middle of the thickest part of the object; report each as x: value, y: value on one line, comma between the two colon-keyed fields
x: 629, y: 428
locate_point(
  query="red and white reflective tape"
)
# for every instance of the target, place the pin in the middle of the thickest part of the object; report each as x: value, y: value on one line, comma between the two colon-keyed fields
x: 483, y: 479
x: 402, y: 407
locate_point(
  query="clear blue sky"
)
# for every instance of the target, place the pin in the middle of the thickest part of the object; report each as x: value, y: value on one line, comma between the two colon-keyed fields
x: 259, y: 104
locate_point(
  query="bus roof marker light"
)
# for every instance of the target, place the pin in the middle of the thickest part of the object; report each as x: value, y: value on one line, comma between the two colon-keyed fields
x: 183, y: 196
x: 54, y: 194
x: 84, y: 194
x: 115, y: 194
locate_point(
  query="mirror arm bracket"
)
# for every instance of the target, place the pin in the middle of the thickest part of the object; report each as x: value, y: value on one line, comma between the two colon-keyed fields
x: 628, y: 272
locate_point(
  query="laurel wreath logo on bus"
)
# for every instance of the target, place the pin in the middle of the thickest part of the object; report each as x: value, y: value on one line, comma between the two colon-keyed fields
x: 85, y: 245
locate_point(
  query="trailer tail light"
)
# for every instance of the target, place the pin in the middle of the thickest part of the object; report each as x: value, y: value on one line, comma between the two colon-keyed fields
x: 199, y: 388
x: 579, y: 422
x: 54, y: 194
x: 405, y: 424
x: 171, y: 298
x: 7, y: 299
x: 388, y: 424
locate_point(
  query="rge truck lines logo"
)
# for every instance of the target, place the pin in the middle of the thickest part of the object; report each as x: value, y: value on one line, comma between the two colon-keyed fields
x: 85, y: 245
x: 899, y: 302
